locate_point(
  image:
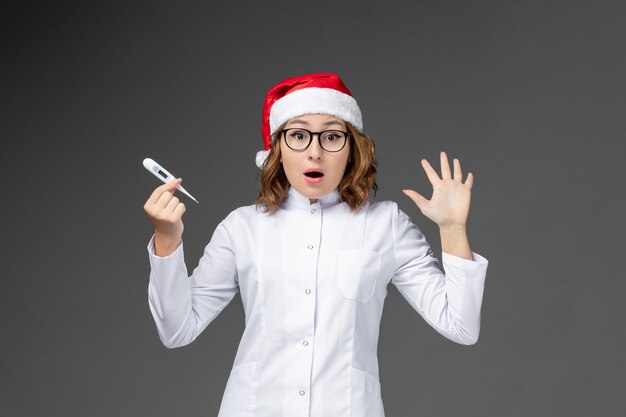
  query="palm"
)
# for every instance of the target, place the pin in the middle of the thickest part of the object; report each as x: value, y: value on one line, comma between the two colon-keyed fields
x: 450, y: 201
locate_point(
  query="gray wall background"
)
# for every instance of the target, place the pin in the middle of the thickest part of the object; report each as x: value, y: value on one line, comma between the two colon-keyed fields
x: 529, y: 95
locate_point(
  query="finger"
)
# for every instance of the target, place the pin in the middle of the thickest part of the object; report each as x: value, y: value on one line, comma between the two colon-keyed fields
x: 417, y: 198
x: 430, y: 172
x: 164, y: 200
x: 470, y: 180
x: 158, y: 192
x: 445, y: 166
x: 171, y: 205
x: 458, y: 175
x: 168, y: 186
x: 179, y: 210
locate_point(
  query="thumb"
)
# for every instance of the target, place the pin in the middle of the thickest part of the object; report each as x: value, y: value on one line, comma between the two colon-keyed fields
x: 417, y: 198
x: 172, y: 184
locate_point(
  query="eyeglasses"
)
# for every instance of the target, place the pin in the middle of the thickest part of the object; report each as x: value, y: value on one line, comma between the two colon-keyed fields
x: 299, y: 139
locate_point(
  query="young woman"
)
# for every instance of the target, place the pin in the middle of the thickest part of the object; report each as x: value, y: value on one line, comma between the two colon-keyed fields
x: 312, y: 260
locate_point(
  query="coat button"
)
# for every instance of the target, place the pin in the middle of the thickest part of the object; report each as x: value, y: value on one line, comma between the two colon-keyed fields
x: 308, y: 291
x: 312, y: 211
x: 301, y: 392
x: 305, y: 343
x: 310, y: 247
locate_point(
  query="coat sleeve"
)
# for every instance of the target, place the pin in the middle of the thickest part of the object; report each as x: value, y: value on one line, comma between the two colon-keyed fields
x: 183, y: 306
x: 450, y: 302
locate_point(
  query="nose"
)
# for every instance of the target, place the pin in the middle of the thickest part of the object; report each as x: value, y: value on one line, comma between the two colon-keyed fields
x: 315, y: 151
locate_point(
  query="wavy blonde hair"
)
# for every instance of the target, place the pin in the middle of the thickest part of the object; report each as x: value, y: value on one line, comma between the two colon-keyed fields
x: 354, y: 187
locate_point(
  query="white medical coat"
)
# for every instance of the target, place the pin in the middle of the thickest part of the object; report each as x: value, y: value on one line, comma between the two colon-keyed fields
x: 313, y: 280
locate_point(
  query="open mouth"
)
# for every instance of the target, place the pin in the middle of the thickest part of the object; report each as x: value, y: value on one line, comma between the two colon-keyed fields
x: 314, y: 174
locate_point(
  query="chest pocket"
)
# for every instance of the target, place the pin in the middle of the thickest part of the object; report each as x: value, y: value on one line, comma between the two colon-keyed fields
x: 357, y: 273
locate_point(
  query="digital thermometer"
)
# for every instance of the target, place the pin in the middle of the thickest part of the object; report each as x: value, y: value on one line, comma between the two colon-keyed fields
x: 162, y: 174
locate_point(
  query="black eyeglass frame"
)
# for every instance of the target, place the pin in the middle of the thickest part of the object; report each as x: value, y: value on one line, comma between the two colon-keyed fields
x: 319, y: 138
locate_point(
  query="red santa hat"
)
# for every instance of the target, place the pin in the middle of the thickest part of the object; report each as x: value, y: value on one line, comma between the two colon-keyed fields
x: 322, y: 93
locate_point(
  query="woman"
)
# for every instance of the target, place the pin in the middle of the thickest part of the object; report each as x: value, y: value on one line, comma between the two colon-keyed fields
x: 312, y: 260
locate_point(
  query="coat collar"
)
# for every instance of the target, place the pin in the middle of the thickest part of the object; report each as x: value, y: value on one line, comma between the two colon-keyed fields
x: 297, y: 201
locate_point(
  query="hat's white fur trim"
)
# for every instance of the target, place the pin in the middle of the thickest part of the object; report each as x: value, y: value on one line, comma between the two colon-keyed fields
x: 315, y: 100
x: 261, y: 156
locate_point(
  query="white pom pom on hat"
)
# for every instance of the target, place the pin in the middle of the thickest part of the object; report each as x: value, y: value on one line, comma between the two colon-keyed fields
x: 261, y: 156
x: 321, y: 93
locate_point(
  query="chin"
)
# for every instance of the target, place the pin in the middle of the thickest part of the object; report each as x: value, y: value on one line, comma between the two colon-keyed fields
x: 318, y: 193
x: 311, y: 191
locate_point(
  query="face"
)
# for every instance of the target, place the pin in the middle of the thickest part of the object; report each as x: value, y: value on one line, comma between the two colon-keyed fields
x: 298, y: 165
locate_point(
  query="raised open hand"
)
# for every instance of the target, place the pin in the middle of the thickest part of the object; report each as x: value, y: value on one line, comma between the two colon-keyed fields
x: 450, y: 202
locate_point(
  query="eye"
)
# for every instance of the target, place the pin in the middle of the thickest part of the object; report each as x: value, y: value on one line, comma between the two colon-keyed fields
x: 298, y: 135
x: 333, y: 136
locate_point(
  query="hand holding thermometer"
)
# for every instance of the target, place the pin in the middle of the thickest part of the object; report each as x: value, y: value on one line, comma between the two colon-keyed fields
x: 162, y: 174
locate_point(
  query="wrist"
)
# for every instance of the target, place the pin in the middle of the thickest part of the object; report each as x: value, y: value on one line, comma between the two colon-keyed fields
x: 167, y: 237
x: 453, y: 229
x: 454, y: 241
x: 164, y: 245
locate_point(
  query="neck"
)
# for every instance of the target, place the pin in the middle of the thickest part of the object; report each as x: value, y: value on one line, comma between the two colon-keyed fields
x: 312, y: 200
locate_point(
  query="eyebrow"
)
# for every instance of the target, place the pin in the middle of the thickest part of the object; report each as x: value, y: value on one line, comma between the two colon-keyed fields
x: 328, y: 123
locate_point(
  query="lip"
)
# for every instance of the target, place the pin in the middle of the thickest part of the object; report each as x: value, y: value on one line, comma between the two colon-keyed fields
x: 313, y: 180
x: 314, y: 170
